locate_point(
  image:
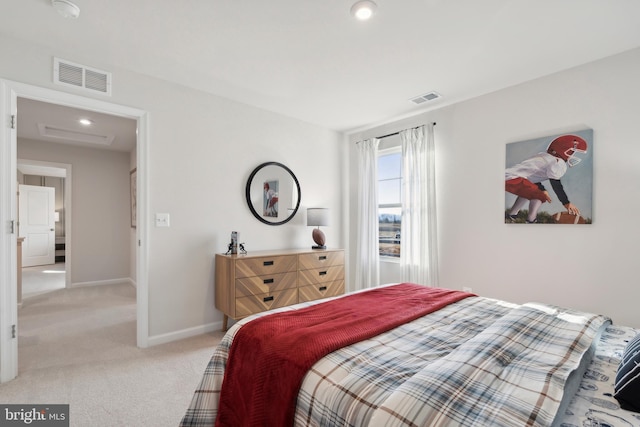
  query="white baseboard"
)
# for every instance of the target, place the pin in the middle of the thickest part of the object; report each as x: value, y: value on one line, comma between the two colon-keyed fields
x: 163, y: 338
x: 104, y: 282
x: 185, y: 333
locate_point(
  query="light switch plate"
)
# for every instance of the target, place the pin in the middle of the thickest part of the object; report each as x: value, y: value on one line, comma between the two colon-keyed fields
x: 162, y: 220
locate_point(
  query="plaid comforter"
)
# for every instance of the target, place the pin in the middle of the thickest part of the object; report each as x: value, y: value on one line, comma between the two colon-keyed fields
x: 475, y: 362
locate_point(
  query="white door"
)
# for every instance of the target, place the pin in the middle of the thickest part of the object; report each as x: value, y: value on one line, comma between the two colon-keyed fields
x: 36, y: 207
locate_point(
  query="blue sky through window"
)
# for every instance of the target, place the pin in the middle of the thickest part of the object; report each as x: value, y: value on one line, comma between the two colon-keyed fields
x: 389, y: 173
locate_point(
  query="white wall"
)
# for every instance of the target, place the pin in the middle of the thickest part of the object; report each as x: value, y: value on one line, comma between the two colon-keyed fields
x: 202, y: 149
x: 100, y: 208
x: 589, y: 267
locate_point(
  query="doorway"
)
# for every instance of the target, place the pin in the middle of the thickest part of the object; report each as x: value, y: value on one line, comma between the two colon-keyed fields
x: 9, y: 93
x: 36, y: 280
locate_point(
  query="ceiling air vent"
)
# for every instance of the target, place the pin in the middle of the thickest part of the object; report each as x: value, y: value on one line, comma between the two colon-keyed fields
x: 79, y: 76
x: 69, y: 135
x: 431, y: 96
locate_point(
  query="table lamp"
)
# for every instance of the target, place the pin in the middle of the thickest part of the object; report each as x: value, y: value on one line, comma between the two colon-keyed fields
x: 315, y: 218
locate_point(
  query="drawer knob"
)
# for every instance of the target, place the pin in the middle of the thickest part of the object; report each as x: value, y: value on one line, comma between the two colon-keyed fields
x: 267, y: 299
x: 322, y: 257
x: 322, y: 273
x: 322, y: 288
x: 267, y: 263
x: 267, y: 281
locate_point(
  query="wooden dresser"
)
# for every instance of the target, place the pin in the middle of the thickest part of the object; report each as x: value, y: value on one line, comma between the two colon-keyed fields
x: 249, y: 283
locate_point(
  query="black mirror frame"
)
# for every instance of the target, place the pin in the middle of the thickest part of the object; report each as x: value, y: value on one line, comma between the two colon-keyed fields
x: 248, y: 193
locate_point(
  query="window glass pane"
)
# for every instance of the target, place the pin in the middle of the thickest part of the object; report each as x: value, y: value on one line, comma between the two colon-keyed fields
x: 389, y: 192
x: 389, y: 223
x: 389, y: 189
x: 389, y: 178
x: 389, y: 166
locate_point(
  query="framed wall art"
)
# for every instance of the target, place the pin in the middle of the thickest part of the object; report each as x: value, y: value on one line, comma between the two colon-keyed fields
x: 549, y: 180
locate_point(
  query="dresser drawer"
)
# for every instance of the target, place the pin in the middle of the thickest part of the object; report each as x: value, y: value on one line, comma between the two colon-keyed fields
x: 248, y: 305
x: 266, y: 265
x: 265, y: 284
x: 320, y: 275
x: 320, y: 290
x: 320, y: 259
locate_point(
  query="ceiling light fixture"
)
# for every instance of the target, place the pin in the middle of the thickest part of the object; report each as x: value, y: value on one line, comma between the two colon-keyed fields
x: 363, y: 9
x: 66, y: 8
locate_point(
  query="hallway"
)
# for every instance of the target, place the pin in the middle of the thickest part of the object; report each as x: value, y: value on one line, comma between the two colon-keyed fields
x: 42, y: 278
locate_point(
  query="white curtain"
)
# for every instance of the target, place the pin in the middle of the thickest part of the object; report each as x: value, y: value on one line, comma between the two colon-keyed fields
x: 418, y: 241
x: 368, y: 264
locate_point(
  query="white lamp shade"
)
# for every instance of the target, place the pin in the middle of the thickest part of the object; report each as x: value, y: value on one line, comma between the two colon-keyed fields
x: 317, y: 216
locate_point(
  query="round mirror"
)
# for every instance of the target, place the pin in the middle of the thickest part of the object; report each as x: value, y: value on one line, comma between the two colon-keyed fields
x: 273, y: 193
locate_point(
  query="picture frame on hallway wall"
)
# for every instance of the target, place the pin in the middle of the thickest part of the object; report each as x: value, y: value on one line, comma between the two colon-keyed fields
x: 133, y: 196
x: 549, y: 180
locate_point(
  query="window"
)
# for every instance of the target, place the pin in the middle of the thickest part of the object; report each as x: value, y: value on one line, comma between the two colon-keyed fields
x: 389, y: 201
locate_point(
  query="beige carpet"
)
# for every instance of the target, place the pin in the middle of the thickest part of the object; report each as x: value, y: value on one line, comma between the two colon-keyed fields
x: 77, y: 346
x: 42, y: 278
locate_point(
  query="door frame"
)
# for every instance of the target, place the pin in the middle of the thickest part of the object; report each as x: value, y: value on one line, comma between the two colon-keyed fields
x: 10, y: 91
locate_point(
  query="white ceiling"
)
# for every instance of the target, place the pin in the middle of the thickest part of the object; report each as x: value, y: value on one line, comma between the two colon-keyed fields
x: 313, y: 61
x: 59, y: 124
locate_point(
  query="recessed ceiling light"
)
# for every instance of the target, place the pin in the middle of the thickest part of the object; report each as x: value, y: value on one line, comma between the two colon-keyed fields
x: 85, y: 122
x: 363, y: 9
x: 66, y: 8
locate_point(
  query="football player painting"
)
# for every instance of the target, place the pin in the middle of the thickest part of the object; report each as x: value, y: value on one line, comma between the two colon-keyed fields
x: 525, y: 179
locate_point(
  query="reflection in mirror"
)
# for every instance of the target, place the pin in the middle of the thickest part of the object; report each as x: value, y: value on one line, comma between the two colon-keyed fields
x: 273, y: 193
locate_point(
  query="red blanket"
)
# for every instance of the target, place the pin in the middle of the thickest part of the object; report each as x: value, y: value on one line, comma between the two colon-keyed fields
x: 270, y: 356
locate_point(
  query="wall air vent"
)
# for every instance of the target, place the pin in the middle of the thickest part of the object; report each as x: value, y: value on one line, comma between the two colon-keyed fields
x: 80, y: 76
x: 430, y: 96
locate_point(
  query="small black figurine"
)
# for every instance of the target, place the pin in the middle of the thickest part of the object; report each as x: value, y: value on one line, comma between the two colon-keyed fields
x: 230, y: 248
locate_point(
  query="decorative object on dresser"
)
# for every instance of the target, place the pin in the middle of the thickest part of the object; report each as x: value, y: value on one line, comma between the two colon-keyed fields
x: 235, y: 247
x: 317, y: 217
x: 246, y: 284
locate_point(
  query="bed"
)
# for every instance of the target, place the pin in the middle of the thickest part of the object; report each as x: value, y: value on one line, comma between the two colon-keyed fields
x: 468, y: 360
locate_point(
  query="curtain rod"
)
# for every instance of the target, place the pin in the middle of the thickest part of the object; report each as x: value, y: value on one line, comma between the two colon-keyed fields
x: 394, y: 133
